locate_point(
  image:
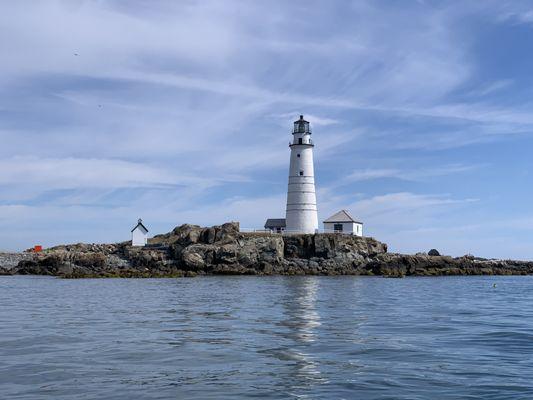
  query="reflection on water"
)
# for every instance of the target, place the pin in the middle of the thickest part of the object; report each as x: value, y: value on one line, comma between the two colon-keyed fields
x: 301, y: 307
x: 268, y: 337
x: 301, y: 318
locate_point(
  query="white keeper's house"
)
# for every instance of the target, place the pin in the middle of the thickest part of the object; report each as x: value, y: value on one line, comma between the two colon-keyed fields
x: 139, y: 234
x: 342, y: 222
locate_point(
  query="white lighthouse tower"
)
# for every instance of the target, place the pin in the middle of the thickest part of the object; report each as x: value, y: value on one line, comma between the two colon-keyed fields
x: 301, y: 214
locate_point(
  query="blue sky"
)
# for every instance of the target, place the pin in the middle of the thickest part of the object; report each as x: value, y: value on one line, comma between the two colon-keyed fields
x: 181, y: 112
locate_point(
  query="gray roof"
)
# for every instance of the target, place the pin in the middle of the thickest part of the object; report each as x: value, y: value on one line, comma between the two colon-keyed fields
x: 341, y: 216
x: 140, y: 224
x: 275, y: 223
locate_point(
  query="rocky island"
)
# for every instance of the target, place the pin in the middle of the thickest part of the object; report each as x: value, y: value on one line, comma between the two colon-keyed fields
x: 191, y: 250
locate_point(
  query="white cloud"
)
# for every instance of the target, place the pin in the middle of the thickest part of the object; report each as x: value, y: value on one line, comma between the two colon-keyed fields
x: 73, y: 173
x: 392, y: 211
x: 407, y: 174
x: 394, y: 217
x: 313, y: 119
x: 164, y: 94
x: 403, y: 205
x: 25, y: 225
x: 491, y: 87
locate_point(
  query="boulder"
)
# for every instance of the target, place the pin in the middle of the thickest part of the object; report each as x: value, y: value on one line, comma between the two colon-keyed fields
x: 193, y: 260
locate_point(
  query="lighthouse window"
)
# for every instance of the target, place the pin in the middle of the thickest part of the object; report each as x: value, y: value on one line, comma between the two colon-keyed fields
x: 297, y: 155
x: 301, y: 173
x: 299, y: 140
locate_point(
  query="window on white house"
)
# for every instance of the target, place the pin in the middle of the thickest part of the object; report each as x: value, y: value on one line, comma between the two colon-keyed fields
x: 337, y: 227
x: 301, y: 173
x: 297, y: 155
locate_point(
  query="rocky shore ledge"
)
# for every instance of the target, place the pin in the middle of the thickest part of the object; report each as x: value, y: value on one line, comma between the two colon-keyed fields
x: 190, y: 250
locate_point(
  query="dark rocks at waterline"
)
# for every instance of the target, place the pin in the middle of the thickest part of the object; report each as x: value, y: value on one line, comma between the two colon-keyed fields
x: 191, y: 250
x: 400, y: 265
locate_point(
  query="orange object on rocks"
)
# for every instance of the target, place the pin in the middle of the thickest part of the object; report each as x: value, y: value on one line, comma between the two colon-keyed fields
x: 38, y: 248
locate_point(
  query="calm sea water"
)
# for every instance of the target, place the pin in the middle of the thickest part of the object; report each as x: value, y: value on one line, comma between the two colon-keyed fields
x: 275, y: 337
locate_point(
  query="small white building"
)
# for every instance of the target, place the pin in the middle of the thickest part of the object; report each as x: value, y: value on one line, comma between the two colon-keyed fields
x: 139, y: 234
x: 342, y: 222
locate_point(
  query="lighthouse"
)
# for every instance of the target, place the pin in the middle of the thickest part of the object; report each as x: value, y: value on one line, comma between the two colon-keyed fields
x: 301, y: 214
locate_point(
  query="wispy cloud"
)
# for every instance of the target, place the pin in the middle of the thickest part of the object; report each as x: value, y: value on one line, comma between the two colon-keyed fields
x: 73, y: 173
x: 403, y: 203
x: 408, y: 174
x: 491, y: 87
x: 313, y: 119
x: 187, y: 116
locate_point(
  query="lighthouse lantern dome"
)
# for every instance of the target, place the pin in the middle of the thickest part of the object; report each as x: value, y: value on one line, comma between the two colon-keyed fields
x: 301, y: 126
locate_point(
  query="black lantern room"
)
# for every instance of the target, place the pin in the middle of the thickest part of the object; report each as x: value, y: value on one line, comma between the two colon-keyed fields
x: 301, y: 126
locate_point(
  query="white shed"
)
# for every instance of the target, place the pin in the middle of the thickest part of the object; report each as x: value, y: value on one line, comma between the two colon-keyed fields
x: 139, y: 234
x: 342, y: 222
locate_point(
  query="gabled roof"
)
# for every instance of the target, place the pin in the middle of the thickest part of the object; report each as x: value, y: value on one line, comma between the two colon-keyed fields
x: 342, y: 216
x: 140, y: 224
x: 275, y: 222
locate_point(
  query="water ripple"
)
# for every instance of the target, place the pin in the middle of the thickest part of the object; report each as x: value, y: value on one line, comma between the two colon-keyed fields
x: 275, y: 338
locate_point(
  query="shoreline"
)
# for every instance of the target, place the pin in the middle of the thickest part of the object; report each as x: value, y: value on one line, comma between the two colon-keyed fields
x: 190, y: 250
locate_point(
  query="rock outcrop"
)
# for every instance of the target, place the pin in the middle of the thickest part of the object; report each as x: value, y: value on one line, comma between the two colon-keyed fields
x: 433, y: 253
x: 399, y: 265
x: 10, y: 261
x: 190, y: 250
